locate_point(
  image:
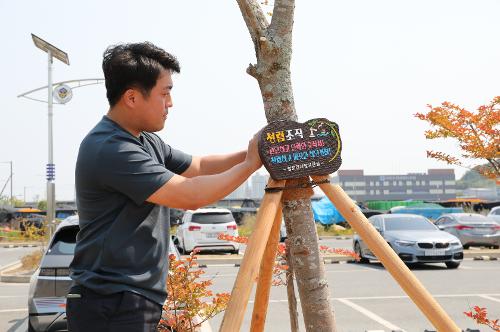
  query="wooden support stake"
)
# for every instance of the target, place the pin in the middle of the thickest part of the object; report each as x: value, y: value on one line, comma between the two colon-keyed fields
x: 399, y: 271
x: 233, y: 317
x: 266, y: 276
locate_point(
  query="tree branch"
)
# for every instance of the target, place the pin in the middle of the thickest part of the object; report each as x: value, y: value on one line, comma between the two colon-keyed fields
x: 493, y: 163
x: 254, y: 18
x: 282, y: 21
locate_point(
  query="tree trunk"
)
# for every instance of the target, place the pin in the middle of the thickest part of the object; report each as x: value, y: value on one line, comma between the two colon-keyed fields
x: 273, y: 47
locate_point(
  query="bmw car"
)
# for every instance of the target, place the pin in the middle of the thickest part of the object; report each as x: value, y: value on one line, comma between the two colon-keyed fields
x: 414, y: 238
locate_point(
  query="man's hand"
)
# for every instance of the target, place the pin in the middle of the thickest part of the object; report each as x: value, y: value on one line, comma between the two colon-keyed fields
x: 253, y: 158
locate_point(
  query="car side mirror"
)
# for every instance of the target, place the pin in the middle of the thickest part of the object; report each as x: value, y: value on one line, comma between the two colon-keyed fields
x: 441, y: 227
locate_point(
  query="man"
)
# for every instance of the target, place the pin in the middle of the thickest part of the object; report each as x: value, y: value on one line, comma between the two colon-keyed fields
x: 126, y: 179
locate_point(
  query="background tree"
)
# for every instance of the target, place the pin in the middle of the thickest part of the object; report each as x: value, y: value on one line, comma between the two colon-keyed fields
x: 472, y: 179
x: 273, y: 48
x: 477, y: 134
x: 42, y: 205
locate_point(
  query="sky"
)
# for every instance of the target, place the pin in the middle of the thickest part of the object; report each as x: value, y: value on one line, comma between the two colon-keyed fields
x: 367, y: 65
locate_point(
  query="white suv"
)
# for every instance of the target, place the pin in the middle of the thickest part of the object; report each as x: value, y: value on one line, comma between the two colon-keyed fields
x: 200, y: 228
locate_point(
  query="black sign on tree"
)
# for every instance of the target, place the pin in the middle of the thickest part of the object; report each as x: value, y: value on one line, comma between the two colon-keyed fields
x: 291, y: 150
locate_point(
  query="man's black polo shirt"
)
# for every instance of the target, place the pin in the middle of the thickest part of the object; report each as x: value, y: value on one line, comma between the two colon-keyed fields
x: 123, y: 240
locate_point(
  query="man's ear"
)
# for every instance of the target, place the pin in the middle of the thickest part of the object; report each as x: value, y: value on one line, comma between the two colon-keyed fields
x: 130, y: 97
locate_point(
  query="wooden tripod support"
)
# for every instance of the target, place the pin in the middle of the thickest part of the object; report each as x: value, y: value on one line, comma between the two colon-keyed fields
x: 261, y: 251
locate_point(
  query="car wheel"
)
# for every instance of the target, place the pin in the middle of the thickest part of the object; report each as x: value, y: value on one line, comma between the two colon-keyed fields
x: 357, y: 250
x: 494, y: 247
x: 452, y: 265
x: 466, y: 246
x: 235, y: 251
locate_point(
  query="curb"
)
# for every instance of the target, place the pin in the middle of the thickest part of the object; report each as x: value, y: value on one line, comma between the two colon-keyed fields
x: 205, y: 262
x: 13, y: 278
x: 338, y: 260
x: 332, y: 237
x: 19, y: 245
x: 236, y: 261
x: 490, y: 255
x: 485, y: 258
x: 9, y: 266
x: 486, y: 255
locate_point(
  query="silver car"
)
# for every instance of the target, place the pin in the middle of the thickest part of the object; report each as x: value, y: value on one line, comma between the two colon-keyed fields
x: 50, y: 283
x: 414, y: 238
x: 495, y: 214
x: 471, y: 228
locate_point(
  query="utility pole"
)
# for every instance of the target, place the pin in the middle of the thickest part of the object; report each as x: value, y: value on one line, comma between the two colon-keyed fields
x: 52, y: 52
x: 11, y: 186
x: 11, y: 180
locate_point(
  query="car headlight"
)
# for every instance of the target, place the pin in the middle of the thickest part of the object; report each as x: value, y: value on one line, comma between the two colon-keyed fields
x: 455, y: 243
x: 403, y: 243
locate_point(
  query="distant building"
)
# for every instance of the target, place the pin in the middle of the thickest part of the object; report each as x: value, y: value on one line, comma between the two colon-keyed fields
x: 258, y: 183
x: 241, y: 192
x: 253, y: 188
x: 436, y: 184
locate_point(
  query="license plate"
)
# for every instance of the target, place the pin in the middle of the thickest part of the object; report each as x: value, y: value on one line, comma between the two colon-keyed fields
x: 482, y: 230
x: 434, y: 252
x: 211, y: 235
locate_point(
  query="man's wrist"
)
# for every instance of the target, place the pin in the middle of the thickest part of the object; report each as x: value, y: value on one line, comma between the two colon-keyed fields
x: 250, y: 166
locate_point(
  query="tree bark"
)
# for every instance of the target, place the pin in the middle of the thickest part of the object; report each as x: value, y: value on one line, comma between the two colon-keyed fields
x: 273, y: 48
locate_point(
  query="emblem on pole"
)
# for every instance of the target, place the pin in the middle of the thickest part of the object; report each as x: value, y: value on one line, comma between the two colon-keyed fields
x: 63, y: 93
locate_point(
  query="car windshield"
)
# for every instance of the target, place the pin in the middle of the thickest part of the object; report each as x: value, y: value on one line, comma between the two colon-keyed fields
x: 212, y: 218
x: 473, y: 218
x: 496, y: 212
x: 408, y: 224
x: 64, y: 241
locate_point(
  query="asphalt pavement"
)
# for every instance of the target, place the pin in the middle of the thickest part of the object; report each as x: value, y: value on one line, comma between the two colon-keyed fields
x: 364, y: 296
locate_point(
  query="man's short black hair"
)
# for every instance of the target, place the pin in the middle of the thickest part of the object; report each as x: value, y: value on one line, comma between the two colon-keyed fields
x: 136, y: 65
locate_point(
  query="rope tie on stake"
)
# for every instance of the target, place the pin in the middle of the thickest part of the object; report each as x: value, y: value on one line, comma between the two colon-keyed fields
x: 309, y: 184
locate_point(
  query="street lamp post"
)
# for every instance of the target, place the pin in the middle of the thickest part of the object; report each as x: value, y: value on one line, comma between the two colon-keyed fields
x: 11, y: 185
x: 52, y: 52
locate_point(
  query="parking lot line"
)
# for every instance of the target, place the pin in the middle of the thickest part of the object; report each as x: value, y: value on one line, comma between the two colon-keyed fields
x: 370, y: 315
x: 489, y: 297
x: 395, y: 297
x: 13, y: 310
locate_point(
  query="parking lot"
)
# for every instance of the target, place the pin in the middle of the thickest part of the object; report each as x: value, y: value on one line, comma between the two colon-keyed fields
x: 365, y: 297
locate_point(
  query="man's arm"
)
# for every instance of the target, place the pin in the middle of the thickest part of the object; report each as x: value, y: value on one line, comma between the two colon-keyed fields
x: 191, y: 193
x: 214, y: 164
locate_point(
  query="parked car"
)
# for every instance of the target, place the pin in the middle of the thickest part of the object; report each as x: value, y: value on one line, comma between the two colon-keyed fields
x: 283, y: 235
x: 471, y: 229
x: 200, y: 230
x: 50, y: 283
x: 414, y: 238
x: 495, y: 214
